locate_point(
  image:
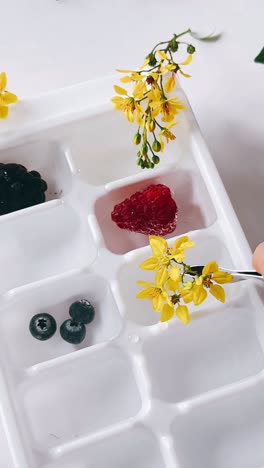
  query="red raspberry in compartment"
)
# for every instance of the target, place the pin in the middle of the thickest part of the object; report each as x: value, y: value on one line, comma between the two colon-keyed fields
x: 150, y: 212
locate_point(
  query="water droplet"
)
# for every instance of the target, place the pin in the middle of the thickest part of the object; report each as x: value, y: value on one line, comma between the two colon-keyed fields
x: 133, y: 338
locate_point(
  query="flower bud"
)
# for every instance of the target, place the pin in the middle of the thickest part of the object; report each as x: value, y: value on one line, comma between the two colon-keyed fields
x: 174, y: 45
x: 144, y: 148
x: 190, y: 49
x: 152, y: 60
x: 137, y: 138
x: 156, y: 146
x: 152, y: 165
x: 155, y: 159
x: 150, y: 125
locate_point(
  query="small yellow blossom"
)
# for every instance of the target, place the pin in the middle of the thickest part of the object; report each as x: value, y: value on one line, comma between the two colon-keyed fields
x: 167, y: 134
x: 6, y: 97
x: 154, y: 93
x: 155, y: 291
x: 168, y: 107
x: 197, y: 291
x: 130, y: 107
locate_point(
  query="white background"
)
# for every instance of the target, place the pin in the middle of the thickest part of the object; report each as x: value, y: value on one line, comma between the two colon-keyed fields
x: 47, y: 44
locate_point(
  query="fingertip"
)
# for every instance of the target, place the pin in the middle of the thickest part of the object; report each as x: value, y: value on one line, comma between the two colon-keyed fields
x: 258, y: 259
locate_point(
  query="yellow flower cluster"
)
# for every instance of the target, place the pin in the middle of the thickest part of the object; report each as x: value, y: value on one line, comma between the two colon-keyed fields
x: 171, y: 291
x: 6, y: 97
x: 147, y: 103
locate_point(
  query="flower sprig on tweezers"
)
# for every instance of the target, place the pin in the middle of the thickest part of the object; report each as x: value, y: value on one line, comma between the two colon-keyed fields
x: 148, y: 104
x: 171, y: 290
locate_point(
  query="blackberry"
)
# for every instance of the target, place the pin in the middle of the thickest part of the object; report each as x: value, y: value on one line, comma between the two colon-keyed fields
x: 19, y: 188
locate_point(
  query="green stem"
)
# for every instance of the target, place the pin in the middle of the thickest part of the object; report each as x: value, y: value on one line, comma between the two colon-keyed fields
x: 161, y: 85
x: 188, y: 31
x: 143, y: 99
x: 157, y: 123
x: 150, y: 148
x: 159, y: 43
x: 147, y: 71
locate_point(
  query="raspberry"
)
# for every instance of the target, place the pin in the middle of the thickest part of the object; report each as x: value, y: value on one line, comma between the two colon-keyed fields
x: 151, y: 212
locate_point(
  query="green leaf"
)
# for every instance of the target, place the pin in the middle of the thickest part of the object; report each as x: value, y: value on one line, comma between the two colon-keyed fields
x: 260, y: 57
x: 212, y: 37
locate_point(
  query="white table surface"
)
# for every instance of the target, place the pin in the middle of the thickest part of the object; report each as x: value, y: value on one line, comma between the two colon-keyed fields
x: 48, y: 44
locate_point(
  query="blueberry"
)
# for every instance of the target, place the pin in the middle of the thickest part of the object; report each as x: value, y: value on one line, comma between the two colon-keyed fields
x: 82, y: 311
x: 42, y: 326
x: 73, y: 332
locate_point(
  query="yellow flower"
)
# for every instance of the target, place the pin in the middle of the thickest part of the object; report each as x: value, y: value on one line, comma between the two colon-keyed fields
x: 167, y: 134
x: 130, y: 107
x: 159, y: 260
x: 155, y: 93
x: 6, y: 97
x: 155, y: 291
x: 170, y: 83
x: 197, y: 291
x: 180, y: 245
x: 167, y: 107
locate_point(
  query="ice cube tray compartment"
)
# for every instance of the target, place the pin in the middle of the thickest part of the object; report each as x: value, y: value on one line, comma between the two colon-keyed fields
x: 46, y: 242
x: 80, y: 397
x: 189, y: 192
x: 135, y: 447
x: 46, y: 157
x: 225, y: 433
x: 218, y: 349
x: 135, y: 391
x: 139, y: 311
x: 55, y: 297
x: 100, y: 149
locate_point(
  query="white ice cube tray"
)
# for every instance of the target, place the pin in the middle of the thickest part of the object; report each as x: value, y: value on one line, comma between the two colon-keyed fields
x: 136, y: 393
